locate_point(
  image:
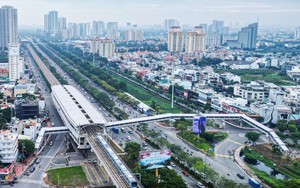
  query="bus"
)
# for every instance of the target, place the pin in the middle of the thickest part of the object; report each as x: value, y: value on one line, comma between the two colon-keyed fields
x: 254, y: 183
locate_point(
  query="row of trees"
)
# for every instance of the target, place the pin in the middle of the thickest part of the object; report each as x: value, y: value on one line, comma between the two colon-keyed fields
x: 100, y: 76
x: 191, y: 163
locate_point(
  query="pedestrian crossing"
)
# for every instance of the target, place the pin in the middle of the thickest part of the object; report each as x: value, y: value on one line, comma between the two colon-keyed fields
x: 24, y: 180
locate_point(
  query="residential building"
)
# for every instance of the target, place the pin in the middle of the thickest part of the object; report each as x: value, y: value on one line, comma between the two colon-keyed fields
x: 297, y: 33
x: 247, y: 37
x: 196, y: 40
x: 51, y: 23
x: 98, y: 28
x: 170, y: 23
x: 239, y: 65
x: 72, y: 30
x: 8, y: 146
x: 84, y: 30
x: 294, y: 73
x: 8, y: 26
x: 15, y: 62
x: 104, y: 47
x: 214, y: 39
x: 112, y: 30
x: 253, y: 91
x: 62, y: 23
x: 175, y: 39
x: 134, y: 35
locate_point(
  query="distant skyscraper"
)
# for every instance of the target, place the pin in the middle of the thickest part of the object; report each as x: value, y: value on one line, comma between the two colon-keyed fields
x: 15, y: 63
x: 84, y: 29
x: 51, y: 23
x: 195, y: 40
x: 112, y: 29
x: 297, y: 33
x: 134, y: 35
x: 204, y: 26
x: 8, y: 26
x: 170, y: 23
x: 98, y: 28
x: 213, y: 39
x: 62, y: 23
x: 247, y: 36
x: 72, y: 31
x: 175, y: 39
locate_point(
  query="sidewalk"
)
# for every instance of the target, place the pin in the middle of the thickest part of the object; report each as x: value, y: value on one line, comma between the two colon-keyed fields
x: 20, y: 168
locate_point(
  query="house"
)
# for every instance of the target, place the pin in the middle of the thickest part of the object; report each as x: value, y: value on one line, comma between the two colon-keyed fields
x: 239, y: 65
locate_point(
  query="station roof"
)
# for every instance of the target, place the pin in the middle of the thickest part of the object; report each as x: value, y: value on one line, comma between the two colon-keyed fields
x: 76, y: 107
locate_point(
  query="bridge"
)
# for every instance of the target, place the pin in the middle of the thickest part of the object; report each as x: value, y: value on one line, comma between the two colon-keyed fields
x: 262, y: 128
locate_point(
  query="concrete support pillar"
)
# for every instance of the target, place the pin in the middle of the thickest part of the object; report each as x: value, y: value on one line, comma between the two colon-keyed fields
x: 223, y: 124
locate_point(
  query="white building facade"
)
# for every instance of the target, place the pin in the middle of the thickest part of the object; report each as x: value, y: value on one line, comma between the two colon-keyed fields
x: 8, y: 146
x: 15, y: 62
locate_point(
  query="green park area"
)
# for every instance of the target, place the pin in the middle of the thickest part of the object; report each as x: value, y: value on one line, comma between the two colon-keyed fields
x: 154, y: 101
x: 265, y: 75
x: 273, y: 159
x: 70, y: 176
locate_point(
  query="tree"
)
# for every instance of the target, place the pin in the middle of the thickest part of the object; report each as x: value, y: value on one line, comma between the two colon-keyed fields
x: 161, y: 142
x: 26, y: 147
x: 281, y: 125
x: 132, y: 149
x: 226, y: 183
x: 182, y: 125
x: 122, y: 86
x: 292, y: 127
x: 292, y: 183
x: 252, y: 136
x: 170, y: 179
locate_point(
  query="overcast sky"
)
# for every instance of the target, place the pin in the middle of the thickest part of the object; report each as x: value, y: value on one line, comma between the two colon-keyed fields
x: 145, y: 12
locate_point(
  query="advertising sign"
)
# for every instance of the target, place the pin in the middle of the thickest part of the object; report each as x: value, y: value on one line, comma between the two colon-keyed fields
x: 154, y: 159
x: 202, y: 124
x: 196, y: 124
x: 199, y: 124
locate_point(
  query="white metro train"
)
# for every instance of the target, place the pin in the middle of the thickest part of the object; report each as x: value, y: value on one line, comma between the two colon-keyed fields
x: 121, y: 167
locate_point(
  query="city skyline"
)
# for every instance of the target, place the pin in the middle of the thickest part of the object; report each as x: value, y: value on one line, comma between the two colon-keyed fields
x: 191, y: 12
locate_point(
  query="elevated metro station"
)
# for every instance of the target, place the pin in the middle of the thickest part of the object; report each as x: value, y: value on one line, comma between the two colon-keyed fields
x: 76, y: 112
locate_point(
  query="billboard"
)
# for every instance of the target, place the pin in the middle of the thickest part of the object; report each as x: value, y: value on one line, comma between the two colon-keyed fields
x: 154, y: 159
x: 199, y: 124
x: 196, y: 124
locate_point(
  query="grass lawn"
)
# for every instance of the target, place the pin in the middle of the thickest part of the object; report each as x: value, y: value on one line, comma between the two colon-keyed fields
x: 162, y: 105
x: 70, y: 176
x: 266, y: 75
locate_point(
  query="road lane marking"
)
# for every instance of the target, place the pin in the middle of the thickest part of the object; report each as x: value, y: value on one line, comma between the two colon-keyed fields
x: 221, y: 155
x: 235, y: 142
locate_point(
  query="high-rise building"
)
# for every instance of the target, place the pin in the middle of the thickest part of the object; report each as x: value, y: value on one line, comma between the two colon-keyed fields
x: 134, y: 35
x: 84, y: 29
x: 9, y: 143
x: 170, y: 23
x: 15, y: 62
x: 247, y: 36
x: 105, y: 47
x: 195, y: 40
x: 62, y: 23
x: 175, y: 39
x: 72, y: 31
x: 214, y: 39
x: 8, y: 26
x: 112, y: 30
x: 98, y: 28
x: 51, y: 23
x: 297, y: 33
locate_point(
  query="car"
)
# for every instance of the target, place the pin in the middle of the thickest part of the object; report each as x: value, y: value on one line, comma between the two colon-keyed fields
x: 199, y: 184
x: 130, y: 132
x: 170, y: 168
x: 50, y: 143
x: 128, y: 138
x: 38, y: 160
x: 32, y: 169
x: 172, y: 164
x: 123, y: 130
x: 185, y: 173
x: 240, y: 176
x: 144, y: 144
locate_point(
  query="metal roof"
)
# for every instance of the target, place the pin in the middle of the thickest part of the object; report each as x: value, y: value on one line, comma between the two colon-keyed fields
x: 76, y: 107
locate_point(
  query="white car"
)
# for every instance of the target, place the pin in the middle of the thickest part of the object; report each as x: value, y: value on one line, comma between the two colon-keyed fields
x: 199, y: 184
x: 128, y: 138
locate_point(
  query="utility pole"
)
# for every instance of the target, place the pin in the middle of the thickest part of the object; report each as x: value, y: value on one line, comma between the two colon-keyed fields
x: 172, y: 104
